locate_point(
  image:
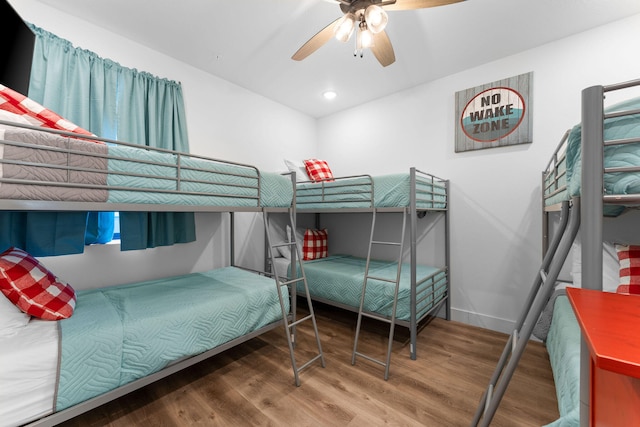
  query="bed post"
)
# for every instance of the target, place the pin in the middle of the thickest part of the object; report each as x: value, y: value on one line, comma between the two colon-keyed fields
x: 413, y: 213
x: 447, y: 246
x: 592, y: 204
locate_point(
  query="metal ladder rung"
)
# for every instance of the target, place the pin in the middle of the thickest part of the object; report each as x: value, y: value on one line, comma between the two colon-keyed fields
x: 377, y: 242
x: 299, y: 279
x: 379, y: 362
x: 381, y: 279
x: 280, y: 245
x: 543, y: 275
x: 297, y: 322
x: 318, y: 356
x: 376, y: 316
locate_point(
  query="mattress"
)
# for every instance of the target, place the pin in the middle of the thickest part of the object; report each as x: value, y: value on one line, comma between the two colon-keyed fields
x: 563, y: 346
x: 392, y: 190
x: 28, y: 364
x: 339, y: 278
x: 614, y: 156
x: 58, y: 168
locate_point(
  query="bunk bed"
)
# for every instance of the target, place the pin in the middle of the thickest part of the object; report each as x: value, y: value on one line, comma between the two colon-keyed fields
x: 399, y: 292
x: 593, y: 173
x: 114, y: 340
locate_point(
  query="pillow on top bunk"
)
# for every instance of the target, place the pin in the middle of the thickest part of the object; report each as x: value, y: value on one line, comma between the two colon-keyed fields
x: 629, y: 257
x: 318, y: 170
x: 298, y: 168
x: 315, y: 244
x: 34, y: 113
x: 34, y: 289
x: 12, y: 319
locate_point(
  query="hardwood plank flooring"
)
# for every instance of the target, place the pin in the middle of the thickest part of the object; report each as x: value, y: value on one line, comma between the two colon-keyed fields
x: 252, y: 384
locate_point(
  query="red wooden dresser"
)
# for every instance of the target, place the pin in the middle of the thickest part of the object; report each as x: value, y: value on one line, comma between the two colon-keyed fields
x: 610, y: 324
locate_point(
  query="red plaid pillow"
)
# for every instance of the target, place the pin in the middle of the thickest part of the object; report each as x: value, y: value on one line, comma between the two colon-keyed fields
x: 629, y: 258
x: 33, y: 288
x: 36, y: 114
x: 318, y: 170
x: 315, y: 244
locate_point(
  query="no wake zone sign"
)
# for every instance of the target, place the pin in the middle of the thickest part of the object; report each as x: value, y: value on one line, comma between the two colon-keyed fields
x: 494, y: 115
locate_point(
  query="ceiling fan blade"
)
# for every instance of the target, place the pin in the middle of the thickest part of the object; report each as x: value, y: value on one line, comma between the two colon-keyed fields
x: 417, y: 4
x: 382, y: 49
x: 315, y: 42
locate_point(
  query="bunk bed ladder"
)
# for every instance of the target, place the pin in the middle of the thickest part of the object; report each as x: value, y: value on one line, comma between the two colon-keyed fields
x: 291, y: 321
x: 361, y: 312
x: 543, y: 287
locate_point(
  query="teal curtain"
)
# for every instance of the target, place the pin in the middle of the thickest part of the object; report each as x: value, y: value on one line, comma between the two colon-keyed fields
x: 113, y: 102
x: 151, y: 112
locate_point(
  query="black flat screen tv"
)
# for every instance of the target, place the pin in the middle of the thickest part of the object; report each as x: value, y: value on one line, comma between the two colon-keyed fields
x: 16, y: 50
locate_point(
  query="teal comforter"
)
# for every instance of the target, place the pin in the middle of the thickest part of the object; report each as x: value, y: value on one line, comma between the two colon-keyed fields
x: 563, y: 346
x: 388, y: 191
x: 614, y: 156
x: 339, y: 278
x: 202, y: 182
x: 117, y: 335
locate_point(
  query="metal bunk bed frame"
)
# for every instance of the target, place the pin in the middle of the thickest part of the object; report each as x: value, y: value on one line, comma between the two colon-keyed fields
x: 413, y: 212
x: 586, y: 210
x: 289, y: 320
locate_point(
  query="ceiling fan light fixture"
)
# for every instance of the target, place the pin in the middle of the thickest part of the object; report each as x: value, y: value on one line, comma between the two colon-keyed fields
x: 376, y: 18
x: 364, y: 38
x: 345, y: 27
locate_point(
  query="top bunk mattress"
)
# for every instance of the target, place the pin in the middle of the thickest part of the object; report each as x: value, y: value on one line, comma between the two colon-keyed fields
x: 563, y: 179
x: 55, y: 166
x: 364, y: 191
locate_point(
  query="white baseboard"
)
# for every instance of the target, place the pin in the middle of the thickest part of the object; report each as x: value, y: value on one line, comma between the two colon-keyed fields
x: 483, y: 321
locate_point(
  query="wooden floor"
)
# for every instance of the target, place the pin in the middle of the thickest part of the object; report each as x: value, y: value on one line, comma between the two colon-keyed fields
x: 252, y: 384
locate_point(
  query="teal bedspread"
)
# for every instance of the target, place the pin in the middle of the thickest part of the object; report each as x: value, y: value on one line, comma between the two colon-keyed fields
x: 201, y: 182
x: 339, y: 278
x: 563, y: 346
x: 117, y: 335
x: 614, y: 156
x: 388, y: 191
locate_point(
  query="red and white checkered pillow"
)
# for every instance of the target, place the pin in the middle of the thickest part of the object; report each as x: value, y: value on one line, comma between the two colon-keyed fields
x: 629, y: 259
x: 315, y: 244
x: 318, y: 170
x: 34, y: 113
x: 34, y: 289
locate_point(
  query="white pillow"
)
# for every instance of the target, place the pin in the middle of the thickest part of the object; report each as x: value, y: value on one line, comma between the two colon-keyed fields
x: 12, y: 319
x: 299, y: 168
x: 610, y: 266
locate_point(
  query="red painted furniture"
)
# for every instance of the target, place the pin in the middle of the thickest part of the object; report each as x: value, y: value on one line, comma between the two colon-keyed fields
x: 610, y: 324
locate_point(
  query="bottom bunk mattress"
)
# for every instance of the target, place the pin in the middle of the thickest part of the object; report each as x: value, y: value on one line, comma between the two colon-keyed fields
x: 339, y: 278
x: 119, y: 334
x: 563, y: 346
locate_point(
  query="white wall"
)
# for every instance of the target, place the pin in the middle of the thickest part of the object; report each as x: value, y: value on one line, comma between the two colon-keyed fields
x: 495, y: 193
x: 224, y: 121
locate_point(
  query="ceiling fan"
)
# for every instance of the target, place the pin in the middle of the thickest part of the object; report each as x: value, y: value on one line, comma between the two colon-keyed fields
x: 368, y: 18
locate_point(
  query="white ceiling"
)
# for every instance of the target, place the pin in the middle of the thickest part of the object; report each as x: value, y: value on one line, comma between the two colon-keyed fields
x: 250, y: 42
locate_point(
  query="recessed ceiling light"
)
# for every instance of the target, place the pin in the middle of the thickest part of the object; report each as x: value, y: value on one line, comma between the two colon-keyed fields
x: 329, y: 94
